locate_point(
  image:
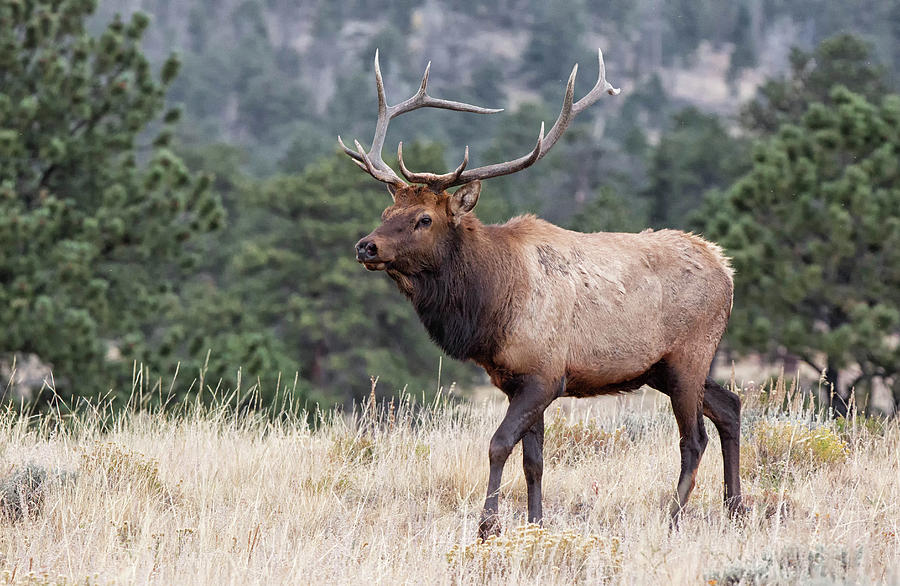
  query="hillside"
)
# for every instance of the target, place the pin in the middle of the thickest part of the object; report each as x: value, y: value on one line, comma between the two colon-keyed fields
x: 259, y: 72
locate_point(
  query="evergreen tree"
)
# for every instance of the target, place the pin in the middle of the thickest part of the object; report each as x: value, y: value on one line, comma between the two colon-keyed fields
x: 814, y: 232
x: 221, y: 332
x: 745, y: 52
x: 294, y: 278
x: 694, y: 155
x: 608, y: 212
x: 93, y: 225
x: 556, y: 42
x: 843, y: 59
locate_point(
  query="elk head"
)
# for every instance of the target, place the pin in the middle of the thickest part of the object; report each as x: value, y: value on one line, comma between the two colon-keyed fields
x: 420, y: 226
x: 418, y: 229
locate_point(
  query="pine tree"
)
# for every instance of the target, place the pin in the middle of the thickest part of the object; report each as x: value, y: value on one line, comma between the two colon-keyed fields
x: 95, y: 210
x: 814, y: 232
x: 842, y: 59
x: 292, y: 280
x: 693, y: 155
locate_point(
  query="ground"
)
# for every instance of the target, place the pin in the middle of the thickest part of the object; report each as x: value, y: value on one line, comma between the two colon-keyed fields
x: 393, y: 494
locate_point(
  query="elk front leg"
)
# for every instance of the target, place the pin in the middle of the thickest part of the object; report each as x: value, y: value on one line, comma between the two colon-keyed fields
x: 526, y: 406
x: 533, y: 464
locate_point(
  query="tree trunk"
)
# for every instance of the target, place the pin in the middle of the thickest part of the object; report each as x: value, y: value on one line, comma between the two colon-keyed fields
x: 838, y: 401
x: 317, y: 370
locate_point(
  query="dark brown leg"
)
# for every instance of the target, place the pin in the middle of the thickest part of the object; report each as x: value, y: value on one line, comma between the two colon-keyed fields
x: 526, y: 404
x: 685, y: 392
x: 723, y: 408
x: 533, y: 463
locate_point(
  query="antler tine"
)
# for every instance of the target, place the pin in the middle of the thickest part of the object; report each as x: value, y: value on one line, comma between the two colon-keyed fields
x: 421, y: 99
x: 436, y: 182
x: 499, y: 169
x: 357, y: 158
x: 365, y: 157
x: 383, y: 118
x: 462, y: 166
x: 385, y: 175
x: 372, y: 162
x: 570, y: 110
x: 422, y: 87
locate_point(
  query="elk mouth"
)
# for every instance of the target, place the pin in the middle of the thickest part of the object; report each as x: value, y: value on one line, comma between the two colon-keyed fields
x: 375, y: 265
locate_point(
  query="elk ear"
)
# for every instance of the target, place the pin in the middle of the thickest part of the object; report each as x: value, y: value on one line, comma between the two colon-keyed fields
x: 392, y: 189
x: 463, y: 200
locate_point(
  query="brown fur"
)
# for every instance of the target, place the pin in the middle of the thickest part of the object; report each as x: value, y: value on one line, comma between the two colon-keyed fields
x: 549, y: 312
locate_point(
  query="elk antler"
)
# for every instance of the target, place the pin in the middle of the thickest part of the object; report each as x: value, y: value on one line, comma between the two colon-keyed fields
x: 570, y: 110
x: 378, y: 169
x: 438, y: 183
x: 374, y: 165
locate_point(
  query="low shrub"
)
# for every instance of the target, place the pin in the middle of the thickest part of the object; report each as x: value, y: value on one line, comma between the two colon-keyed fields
x: 776, y: 446
x: 22, y: 492
x: 533, y: 550
x: 121, y: 467
x: 568, y: 442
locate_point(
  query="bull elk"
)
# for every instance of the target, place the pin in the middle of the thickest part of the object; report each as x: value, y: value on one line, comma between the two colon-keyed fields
x: 552, y: 313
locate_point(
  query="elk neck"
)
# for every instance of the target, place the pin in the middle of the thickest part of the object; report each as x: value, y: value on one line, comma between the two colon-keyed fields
x: 464, y: 301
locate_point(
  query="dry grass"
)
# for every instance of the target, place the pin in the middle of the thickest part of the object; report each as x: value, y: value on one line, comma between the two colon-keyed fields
x: 213, y: 497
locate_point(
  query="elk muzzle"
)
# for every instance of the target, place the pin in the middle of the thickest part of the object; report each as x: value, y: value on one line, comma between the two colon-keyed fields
x: 367, y: 254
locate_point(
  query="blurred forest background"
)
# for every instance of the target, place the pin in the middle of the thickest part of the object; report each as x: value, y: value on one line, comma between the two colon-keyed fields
x: 171, y: 193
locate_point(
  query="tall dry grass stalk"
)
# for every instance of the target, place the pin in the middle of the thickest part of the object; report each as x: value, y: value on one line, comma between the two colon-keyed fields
x: 392, y: 494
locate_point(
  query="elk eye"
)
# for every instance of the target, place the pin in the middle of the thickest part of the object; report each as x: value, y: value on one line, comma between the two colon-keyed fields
x: 424, y: 222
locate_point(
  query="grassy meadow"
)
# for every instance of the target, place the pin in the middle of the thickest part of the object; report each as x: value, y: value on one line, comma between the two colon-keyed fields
x: 391, y: 493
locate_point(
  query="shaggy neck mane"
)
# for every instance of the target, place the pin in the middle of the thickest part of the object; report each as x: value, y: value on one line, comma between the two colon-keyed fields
x: 461, y: 302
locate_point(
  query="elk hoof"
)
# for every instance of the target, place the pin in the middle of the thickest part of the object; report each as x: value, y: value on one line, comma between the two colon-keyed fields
x: 736, y: 508
x: 489, y: 527
x: 675, y: 518
x: 676, y: 511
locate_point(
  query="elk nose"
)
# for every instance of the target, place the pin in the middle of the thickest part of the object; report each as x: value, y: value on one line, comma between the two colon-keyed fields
x: 366, y: 250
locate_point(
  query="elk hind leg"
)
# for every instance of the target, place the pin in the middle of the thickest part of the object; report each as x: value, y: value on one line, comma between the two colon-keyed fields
x: 533, y: 465
x: 723, y: 408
